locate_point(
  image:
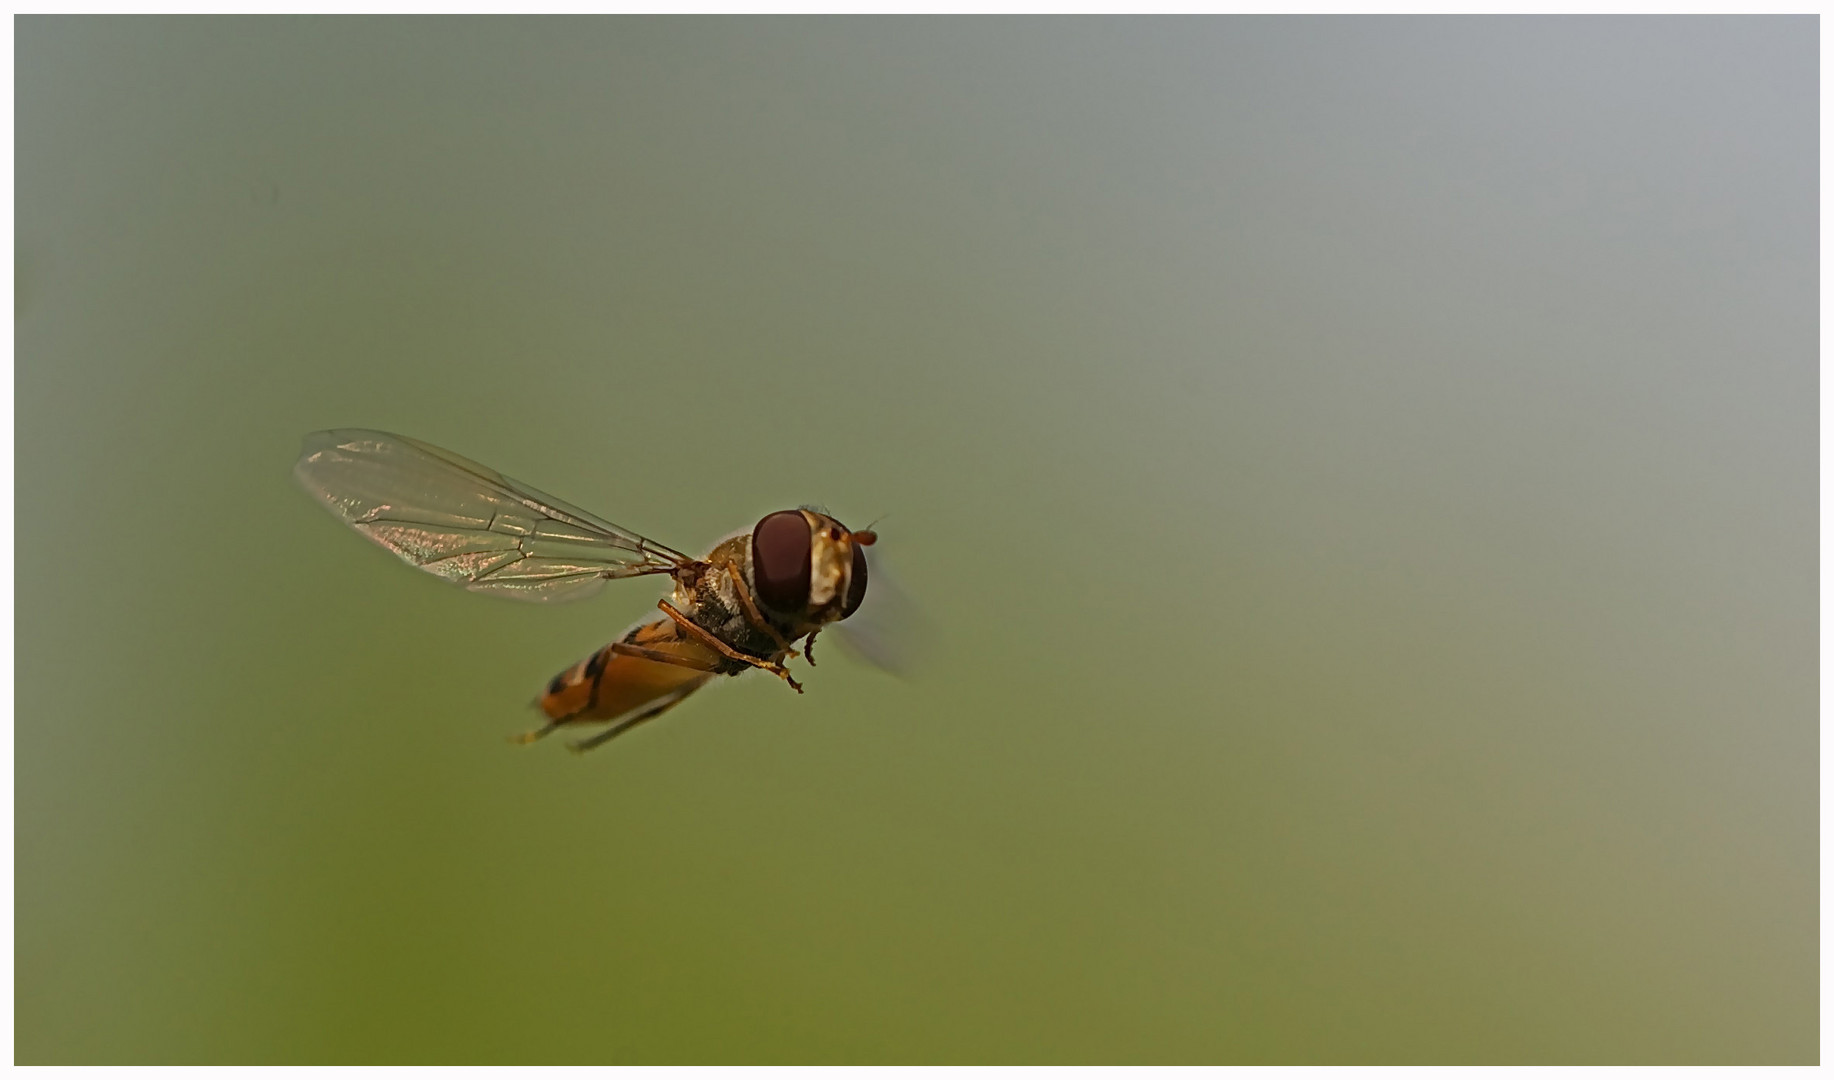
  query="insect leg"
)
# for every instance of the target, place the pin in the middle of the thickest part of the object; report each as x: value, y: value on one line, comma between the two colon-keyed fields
x: 726, y: 650
x: 808, y: 647
x: 752, y: 614
x: 661, y: 657
x: 528, y: 737
x: 582, y: 745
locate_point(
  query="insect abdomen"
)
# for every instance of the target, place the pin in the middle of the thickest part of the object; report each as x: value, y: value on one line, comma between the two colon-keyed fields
x: 608, y: 684
x: 574, y: 692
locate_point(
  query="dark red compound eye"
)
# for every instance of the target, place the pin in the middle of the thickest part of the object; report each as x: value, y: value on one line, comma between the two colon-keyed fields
x: 856, y: 589
x: 780, y: 561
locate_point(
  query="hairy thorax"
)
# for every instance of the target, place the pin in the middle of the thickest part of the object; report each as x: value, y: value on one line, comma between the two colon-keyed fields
x: 712, y: 601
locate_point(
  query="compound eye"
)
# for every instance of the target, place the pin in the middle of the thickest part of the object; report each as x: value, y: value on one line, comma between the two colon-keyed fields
x: 856, y: 589
x: 780, y: 550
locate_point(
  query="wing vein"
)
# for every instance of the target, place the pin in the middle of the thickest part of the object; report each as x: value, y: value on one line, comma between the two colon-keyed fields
x: 440, y: 512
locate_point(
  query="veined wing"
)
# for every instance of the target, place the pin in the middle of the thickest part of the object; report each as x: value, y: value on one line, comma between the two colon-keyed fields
x: 468, y: 524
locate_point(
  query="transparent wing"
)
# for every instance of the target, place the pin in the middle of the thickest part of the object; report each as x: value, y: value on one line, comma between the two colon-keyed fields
x: 468, y: 524
x: 890, y: 630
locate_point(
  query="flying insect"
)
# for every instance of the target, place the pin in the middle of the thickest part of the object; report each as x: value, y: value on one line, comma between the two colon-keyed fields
x: 746, y: 605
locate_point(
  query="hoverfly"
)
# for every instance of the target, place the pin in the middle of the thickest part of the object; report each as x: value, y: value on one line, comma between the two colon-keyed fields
x: 744, y: 606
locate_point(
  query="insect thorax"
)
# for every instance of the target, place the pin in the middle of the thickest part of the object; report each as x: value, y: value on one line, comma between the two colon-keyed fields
x: 712, y: 602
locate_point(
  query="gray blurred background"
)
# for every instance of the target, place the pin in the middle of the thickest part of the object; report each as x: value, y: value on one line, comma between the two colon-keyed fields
x: 1361, y: 471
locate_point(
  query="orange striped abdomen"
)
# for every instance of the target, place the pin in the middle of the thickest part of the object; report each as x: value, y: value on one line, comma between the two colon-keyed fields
x: 608, y: 684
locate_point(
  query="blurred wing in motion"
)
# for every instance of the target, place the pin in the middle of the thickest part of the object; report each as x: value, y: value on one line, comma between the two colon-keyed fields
x: 889, y: 631
x: 468, y: 524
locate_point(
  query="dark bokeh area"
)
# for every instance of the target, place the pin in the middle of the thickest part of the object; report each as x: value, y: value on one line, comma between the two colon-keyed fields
x: 1361, y: 476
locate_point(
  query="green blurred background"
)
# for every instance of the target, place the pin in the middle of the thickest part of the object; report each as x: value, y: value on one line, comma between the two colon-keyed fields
x: 1361, y: 473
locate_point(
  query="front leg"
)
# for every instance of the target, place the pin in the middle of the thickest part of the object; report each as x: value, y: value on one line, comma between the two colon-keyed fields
x: 724, y: 649
x: 752, y: 614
